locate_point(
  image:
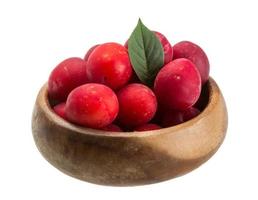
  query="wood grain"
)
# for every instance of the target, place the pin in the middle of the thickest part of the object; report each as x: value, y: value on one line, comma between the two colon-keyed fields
x: 130, y: 158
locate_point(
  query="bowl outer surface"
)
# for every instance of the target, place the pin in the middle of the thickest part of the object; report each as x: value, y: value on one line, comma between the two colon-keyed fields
x: 129, y: 158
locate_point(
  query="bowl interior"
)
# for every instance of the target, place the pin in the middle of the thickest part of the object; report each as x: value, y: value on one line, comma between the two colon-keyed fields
x: 207, y: 98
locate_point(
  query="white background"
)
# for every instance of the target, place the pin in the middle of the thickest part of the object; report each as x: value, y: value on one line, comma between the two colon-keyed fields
x: 37, y: 35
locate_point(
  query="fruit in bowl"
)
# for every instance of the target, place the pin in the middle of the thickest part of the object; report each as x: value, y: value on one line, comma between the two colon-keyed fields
x: 130, y: 115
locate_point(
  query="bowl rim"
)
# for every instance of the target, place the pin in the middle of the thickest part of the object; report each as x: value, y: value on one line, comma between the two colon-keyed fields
x: 43, y: 103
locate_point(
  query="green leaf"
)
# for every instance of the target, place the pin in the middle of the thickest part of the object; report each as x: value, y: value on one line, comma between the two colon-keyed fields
x: 146, y: 53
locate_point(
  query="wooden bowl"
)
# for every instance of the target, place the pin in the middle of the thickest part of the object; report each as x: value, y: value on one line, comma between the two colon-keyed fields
x: 129, y: 158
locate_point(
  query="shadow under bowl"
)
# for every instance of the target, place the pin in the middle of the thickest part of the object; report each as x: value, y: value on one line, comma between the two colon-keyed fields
x: 129, y: 158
